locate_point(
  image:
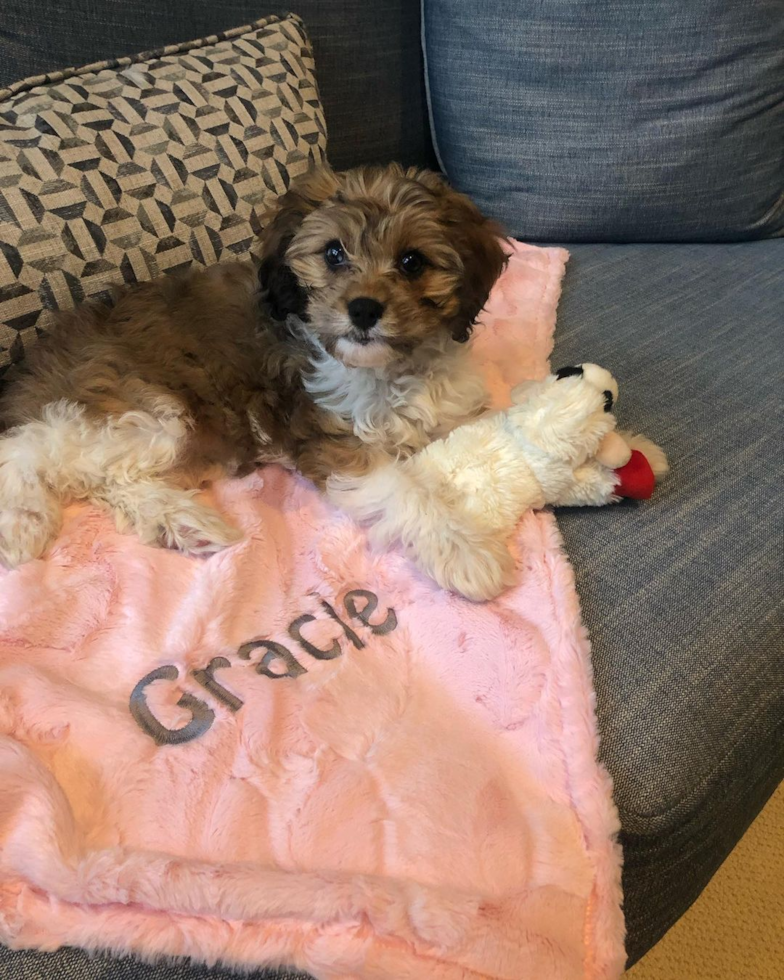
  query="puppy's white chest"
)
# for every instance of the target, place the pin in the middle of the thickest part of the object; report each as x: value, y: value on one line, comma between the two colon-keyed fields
x: 403, y: 413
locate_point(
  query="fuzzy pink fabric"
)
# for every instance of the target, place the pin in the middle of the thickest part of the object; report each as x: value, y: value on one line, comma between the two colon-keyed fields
x: 416, y: 797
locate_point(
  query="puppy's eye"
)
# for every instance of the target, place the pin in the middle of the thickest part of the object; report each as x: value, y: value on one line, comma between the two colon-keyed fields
x: 411, y: 263
x: 334, y: 255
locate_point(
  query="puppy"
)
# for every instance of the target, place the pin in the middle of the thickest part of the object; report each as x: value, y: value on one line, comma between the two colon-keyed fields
x: 337, y: 350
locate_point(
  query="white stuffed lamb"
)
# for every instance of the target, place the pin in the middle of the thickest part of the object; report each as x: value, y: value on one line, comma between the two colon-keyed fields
x: 454, y: 505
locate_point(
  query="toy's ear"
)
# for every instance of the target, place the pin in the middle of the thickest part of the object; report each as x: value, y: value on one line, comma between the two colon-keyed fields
x: 281, y: 291
x: 573, y: 371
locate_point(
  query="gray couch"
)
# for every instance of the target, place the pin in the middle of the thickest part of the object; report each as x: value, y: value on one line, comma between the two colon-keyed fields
x: 683, y: 596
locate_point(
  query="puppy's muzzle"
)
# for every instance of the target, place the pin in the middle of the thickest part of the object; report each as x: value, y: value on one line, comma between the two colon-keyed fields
x: 365, y: 312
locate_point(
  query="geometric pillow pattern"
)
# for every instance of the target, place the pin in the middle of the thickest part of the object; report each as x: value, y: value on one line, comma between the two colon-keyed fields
x: 121, y: 171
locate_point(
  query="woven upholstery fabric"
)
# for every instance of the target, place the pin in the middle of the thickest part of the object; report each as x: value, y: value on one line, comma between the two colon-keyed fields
x: 683, y: 595
x: 369, y: 57
x: 578, y: 121
x: 75, y: 964
x: 121, y: 171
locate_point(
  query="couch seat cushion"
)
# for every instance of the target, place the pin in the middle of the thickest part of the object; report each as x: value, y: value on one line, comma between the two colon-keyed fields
x: 684, y: 595
x: 75, y: 964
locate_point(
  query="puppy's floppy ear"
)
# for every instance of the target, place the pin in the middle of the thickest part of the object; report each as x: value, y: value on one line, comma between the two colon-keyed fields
x: 483, y: 261
x: 280, y: 289
x: 477, y: 242
x: 281, y: 292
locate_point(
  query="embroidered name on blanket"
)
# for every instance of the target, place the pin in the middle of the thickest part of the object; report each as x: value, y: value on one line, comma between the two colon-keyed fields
x: 359, y: 605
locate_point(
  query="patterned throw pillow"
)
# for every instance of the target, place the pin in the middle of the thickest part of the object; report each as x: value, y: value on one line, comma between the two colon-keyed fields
x: 120, y: 171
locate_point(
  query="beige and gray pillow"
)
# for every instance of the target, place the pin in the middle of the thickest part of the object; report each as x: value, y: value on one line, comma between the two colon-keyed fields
x: 120, y: 171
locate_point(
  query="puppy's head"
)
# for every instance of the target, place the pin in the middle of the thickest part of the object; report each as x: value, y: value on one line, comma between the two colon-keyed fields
x: 379, y: 263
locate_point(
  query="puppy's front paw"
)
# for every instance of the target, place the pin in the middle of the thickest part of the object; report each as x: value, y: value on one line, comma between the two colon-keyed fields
x: 476, y: 566
x: 171, y: 518
x: 196, y: 530
x: 481, y: 575
x: 26, y: 533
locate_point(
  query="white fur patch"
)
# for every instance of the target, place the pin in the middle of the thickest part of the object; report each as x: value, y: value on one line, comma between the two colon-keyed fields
x: 403, y: 409
x: 374, y: 354
x: 451, y: 507
x: 399, y: 505
x: 118, y: 461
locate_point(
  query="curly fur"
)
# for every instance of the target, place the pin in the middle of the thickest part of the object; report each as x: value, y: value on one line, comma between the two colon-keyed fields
x: 134, y: 405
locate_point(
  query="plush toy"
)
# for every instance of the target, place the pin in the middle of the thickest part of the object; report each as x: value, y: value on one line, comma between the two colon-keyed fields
x: 454, y: 505
x: 634, y: 460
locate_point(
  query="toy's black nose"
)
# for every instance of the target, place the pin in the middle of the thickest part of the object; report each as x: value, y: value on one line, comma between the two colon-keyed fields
x: 365, y: 312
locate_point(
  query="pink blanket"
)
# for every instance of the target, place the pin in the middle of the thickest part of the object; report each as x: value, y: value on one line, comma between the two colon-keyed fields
x: 298, y: 752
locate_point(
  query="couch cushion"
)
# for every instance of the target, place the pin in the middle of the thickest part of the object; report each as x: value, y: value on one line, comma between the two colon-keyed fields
x: 74, y: 964
x: 121, y: 171
x: 369, y: 57
x: 574, y: 120
x: 684, y: 595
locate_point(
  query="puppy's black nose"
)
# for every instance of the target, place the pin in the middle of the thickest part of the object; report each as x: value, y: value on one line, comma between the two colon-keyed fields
x: 365, y: 312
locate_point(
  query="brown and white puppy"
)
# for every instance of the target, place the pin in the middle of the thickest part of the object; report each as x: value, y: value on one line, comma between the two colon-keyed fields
x: 337, y: 350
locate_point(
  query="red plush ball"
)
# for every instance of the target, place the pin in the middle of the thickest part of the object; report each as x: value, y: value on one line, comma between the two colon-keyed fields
x: 635, y: 479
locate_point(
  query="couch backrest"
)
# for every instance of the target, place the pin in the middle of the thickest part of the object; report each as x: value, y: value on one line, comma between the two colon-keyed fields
x: 613, y: 120
x: 368, y: 57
